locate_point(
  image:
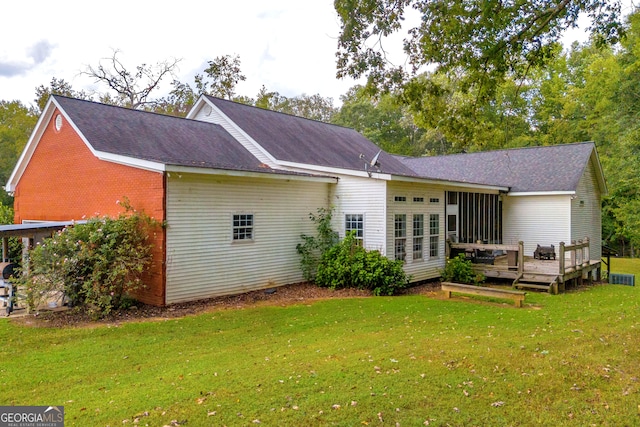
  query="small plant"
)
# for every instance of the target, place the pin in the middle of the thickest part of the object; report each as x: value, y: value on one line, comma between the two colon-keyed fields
x: 349, y: 265
x: 460, y: 270
x: 313, y: 247
x: 94, y: 265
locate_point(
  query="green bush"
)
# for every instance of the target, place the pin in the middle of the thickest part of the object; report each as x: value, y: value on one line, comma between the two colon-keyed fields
x: 312, y: 247
x: 94, y: 265
x: 460, y: 270
x: 347, y: 264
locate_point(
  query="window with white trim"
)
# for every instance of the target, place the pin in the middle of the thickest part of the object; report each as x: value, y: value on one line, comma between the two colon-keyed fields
x: 418, y: 235
x: 434, y: 235
x: 243, y: 227
x: 400, y: 242
x: 355, y: 222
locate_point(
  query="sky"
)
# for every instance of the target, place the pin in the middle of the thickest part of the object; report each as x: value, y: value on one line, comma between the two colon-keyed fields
x: 288, y: 46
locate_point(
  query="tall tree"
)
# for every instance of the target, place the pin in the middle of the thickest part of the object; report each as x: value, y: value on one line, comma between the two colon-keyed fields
x: 224, y: 74
x: 488, y: 39
x: 16, y: 124
x: 132, y: 89
x: 385, y: 121
x: 57, y: 87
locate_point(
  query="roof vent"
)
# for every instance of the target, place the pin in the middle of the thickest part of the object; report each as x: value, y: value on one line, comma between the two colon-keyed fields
x: 58, y: 122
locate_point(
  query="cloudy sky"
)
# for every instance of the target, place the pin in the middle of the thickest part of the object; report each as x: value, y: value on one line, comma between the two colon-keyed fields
x: 286, y: 45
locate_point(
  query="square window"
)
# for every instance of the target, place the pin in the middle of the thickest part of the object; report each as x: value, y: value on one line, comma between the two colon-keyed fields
x: 243, y: 227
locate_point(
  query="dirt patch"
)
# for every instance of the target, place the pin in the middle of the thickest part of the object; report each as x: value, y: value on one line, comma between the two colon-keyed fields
x: 281, y: 296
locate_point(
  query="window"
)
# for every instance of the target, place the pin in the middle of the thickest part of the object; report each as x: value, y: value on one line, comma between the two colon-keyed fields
x: 434, y: 235
x: 243, y: 227
x: 401, y: 236
x: 418, y: 235
x: 400, y: 199
x: 355, y: 222
x: 418, y: 200
x: 434, y: 200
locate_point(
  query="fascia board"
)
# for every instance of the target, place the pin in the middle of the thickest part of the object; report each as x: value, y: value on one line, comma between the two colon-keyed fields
x: 228, y: 172
x: 450, y: 183
x: 32, y: 144
x: 541, y: 193
x: 304, y: 167
x: 130, y: 161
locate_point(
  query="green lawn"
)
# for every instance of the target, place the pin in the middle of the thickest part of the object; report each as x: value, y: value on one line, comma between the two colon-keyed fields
x: 569, y: 359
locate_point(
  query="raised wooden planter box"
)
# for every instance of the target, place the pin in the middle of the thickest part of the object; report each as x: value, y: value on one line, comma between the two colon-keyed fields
x: 516, y: 296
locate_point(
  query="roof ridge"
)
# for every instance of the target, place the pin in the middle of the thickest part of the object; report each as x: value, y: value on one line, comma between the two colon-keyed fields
x: 133, y: 110
x: 279, y: 112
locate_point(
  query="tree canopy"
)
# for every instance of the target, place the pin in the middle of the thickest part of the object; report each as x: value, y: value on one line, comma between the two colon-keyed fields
x: 487, y: 39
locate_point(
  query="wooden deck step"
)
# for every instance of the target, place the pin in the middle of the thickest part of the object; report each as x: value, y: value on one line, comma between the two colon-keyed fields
x: 551, y: 287
x: 539, y: 278
x: 533, y: 286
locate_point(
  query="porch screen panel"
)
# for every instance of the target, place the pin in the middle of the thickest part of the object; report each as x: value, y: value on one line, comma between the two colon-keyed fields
x: 479, y: 218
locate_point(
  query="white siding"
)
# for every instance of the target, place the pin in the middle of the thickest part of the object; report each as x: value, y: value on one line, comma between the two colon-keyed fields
x: 202, y: 259
x: 367, y: 196
x: 586, y: 213
x: 427, y: 267
x: 543, y: 220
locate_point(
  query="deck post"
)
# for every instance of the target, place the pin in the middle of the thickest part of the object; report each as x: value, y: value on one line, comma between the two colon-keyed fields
x: 5, y: 249
x: 561, y: 259
x: 520, y: 258
x: 573, y: 255
x: 586, y: 253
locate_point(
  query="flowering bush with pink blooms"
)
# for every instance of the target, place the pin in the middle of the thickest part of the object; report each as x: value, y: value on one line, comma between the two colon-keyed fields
x: 95, y: 265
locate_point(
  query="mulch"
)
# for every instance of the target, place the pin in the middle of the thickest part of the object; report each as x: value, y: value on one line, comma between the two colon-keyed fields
x: 282, y: 296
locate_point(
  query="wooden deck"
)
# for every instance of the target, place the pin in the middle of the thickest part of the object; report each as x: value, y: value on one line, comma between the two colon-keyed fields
x: 571, y: 266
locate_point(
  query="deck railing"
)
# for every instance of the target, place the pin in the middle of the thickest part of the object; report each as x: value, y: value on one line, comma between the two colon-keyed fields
x: 578, y: 256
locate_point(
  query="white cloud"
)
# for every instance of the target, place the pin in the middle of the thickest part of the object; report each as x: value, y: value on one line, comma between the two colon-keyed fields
x: 288, y: 46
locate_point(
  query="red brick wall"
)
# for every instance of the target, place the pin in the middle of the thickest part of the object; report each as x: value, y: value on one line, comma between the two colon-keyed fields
x: 65, y: 181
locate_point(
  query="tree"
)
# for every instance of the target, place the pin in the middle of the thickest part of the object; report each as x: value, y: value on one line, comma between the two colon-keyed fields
x: 57, y: 87
x: 384, y: 120
x: 487, y: 39
x: 16, y: 124
x: 132, y: 89
x: 224, y: 74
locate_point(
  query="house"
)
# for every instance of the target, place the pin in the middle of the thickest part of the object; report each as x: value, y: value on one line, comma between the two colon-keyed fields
x: 235, y: 185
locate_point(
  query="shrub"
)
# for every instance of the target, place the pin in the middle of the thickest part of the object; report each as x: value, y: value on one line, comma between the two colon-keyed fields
x: 347, y: 264
x: 313, y: 247
x: 460, y: 270
x: 95, y: 265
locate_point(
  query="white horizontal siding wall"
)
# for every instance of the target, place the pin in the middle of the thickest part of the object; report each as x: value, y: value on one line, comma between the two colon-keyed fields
x: 203, y: 260
x: 542, y: 220
x: 586, y: 213
x: 366, y: 196
x: 428, y: 267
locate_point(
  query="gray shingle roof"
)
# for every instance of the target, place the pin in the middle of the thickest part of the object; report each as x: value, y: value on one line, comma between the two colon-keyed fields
x: 158, y: 138
x: 532, y: 169
x: 299, y: 140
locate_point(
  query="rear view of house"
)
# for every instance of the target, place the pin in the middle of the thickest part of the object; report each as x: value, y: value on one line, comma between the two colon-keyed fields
x: 235, y: 185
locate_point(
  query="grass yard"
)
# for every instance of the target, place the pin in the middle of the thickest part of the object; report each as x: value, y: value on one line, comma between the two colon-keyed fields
x: 571, y: 359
